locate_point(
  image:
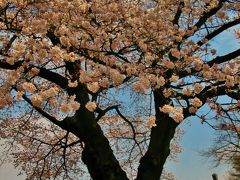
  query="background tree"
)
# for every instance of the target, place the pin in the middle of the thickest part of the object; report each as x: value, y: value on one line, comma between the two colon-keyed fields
x: 110, y: 81
x: 226, y: 145
x: 226, y: 148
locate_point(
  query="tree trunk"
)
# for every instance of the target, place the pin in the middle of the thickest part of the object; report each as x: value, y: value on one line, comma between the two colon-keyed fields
x: 151, y: 164
x: 97, y: 153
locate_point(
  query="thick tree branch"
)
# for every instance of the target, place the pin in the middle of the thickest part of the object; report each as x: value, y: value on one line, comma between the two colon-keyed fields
x: 219, y: 30
x: 5, y: 65
x: 53, y: 77
x: 217, y: 60
x: 178, y: 13
x: 101, y: 112
x: 43, y: 73
x: 224, y: 58
x: 43, y: 113
x: 209, y: 92
x: 206, y: 14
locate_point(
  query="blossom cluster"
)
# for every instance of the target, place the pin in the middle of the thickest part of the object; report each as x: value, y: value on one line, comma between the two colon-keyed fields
x: 72, y: 105
x: 91, y: 106
x: 151, y: 121
x: 175, y: 113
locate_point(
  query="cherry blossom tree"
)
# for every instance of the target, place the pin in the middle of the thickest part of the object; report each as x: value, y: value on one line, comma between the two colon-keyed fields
x: 106, y: 83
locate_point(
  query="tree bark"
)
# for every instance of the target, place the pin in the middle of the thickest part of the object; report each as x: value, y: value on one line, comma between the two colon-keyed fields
x: 97, y: 153
x: 151, y: 164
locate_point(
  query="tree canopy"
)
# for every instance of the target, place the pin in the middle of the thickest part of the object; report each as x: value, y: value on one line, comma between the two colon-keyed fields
x: 105, y: 83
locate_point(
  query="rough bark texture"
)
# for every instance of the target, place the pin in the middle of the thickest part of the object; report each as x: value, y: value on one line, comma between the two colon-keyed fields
x: 97, y: 153
x: 151, y: 164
